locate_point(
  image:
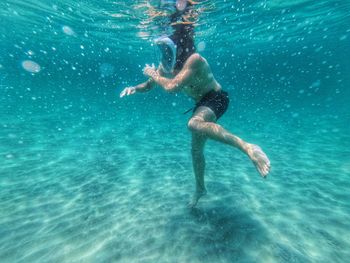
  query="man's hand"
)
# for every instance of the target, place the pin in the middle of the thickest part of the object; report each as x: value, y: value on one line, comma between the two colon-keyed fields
x: 127, y: 91
x: 150, y: 71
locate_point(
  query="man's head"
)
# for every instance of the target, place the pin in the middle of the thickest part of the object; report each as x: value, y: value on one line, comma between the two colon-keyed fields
x: 184, y: 41
x: 173, y: 51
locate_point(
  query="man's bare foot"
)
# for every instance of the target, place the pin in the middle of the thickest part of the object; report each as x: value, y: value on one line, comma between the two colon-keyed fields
x: 259, y: 158
x: 197, y: 195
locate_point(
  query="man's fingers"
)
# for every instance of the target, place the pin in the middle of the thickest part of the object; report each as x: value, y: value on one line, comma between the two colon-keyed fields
x: 122, y: 93
x: 131, y: 91
x: 125, y: 92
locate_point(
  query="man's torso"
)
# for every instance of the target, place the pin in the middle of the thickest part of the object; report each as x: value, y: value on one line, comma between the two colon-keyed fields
x: 201, y: 81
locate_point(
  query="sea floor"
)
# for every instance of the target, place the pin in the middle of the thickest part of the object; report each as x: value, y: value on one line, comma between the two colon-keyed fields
x: 115, y: 188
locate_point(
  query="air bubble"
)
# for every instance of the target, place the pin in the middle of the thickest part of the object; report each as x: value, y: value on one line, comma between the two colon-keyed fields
x: 106, y: 69
x: 31, y: 66
x: 9, y: 156
x: 68, y: 31
x: 201, y: 46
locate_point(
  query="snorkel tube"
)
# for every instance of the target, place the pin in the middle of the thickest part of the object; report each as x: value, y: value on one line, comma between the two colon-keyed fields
x: 168, y: 4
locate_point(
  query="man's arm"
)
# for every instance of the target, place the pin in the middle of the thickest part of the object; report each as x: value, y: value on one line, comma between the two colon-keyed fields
x: 143, y: 87
x: 181, y: 79
x: 146, y: 86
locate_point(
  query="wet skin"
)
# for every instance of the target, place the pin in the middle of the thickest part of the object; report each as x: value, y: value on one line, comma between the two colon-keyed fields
x: 196, y: 79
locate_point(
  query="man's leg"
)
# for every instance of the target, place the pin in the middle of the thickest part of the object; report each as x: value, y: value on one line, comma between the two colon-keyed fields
x: 198, y: 161
x: 201, y: 123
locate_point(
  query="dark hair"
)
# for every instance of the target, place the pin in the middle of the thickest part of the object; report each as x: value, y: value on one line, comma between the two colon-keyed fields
x: 183, y: 37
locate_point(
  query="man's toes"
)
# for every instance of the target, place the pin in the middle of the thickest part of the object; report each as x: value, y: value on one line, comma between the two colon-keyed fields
x: 267, y: 168
x: 267, y: 171
x: 264, y: 171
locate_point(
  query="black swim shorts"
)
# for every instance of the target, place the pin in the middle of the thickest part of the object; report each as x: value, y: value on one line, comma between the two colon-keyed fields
x: 217, y: 101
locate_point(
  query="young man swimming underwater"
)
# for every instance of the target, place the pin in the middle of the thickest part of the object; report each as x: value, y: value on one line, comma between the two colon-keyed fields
x: 181, y: 69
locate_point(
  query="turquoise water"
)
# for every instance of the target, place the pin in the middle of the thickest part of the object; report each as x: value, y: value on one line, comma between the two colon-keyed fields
x: 88, y: 177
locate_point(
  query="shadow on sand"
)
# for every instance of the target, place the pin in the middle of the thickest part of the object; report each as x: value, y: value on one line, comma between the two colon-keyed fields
x: 217, y: 234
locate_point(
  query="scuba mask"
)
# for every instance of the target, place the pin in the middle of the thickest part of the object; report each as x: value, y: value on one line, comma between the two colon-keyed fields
x: 166, y: 53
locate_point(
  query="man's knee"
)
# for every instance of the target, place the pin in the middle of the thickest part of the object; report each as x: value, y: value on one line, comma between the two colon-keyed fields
x: 194, y: 125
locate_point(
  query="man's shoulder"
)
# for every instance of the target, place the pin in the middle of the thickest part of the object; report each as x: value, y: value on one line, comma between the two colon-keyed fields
x: 196, y: 60
x: 196, y: 57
